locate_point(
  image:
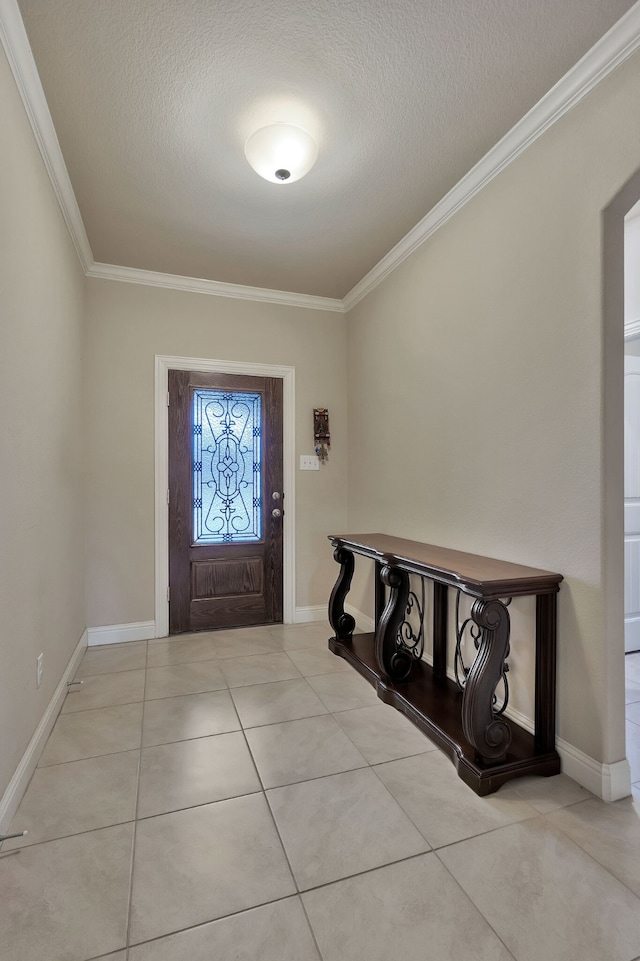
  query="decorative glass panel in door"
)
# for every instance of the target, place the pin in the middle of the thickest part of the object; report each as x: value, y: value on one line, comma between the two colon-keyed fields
x: 226, y: 466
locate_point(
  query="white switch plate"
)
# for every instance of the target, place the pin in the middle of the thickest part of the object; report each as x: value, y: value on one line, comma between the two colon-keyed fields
x: 309, y: 462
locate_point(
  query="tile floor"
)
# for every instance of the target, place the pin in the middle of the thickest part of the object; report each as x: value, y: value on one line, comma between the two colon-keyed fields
x: 244, y: 796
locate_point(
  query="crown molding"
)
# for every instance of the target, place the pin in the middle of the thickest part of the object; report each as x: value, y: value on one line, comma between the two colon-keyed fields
x: 216, y: 288
x: 18, y: 51
x: 608, y: 53
x: 621, y: 41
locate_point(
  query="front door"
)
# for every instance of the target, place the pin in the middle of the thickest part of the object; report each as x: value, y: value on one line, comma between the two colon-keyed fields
x: 225, y: 501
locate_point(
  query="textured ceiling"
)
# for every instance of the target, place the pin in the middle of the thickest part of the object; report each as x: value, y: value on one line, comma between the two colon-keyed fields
x: 153, y: 100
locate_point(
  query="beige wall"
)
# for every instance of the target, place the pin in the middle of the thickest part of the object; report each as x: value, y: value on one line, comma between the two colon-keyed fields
x: 41, y: 491
x: 127, y: 326
x: 476, y: 393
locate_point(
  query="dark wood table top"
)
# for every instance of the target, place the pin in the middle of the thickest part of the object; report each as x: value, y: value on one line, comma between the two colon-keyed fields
x: 477, y: 575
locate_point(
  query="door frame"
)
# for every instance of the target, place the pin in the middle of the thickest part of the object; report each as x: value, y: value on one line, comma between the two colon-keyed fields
x: 163, y: 364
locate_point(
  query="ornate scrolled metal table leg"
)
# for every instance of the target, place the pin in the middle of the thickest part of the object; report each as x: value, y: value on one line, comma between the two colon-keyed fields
x: 393, y: 661
x: 342, y: 623
x: 489, y: 734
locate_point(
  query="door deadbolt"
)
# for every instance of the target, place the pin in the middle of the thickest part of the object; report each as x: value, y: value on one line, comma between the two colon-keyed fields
x: 275, y: 496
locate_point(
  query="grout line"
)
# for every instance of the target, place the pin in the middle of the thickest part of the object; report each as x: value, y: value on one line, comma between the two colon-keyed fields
x: 204, y: 924
x: 358, y: 874
x: 475, y: 906
x: 135, y: 824
x: 184, y: 740
x: 64, y: 837
x: 310, y: 926
x: 91, y: 757
x: 102, y: 707
x: 201, y: 804
x: 279, y: 836
x: 592, y: 857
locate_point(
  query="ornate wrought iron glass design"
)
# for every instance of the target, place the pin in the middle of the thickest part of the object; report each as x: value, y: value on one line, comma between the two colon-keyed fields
x: 411, y: 632
x: 468, y: 631
x: 227, y: 488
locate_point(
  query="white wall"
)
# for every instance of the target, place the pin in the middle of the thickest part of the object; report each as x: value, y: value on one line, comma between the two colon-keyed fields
x: 42, y: 436
x: 632, y: 269
x: 476, y: 395
x: 127, y: 325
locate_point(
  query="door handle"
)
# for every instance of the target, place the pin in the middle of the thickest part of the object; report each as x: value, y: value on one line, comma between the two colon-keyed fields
x: 276, y: 512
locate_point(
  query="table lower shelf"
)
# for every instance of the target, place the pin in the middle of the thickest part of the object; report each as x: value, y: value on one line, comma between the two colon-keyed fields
x: 435, y: 707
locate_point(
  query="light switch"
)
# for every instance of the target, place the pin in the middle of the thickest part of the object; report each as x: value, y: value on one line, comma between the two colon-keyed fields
x: 309, y: 462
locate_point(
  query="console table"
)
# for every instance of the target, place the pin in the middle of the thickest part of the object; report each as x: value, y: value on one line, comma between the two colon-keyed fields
x: 462, y: 715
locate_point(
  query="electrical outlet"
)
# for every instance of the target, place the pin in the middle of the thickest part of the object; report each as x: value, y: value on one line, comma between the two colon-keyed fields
x: 39, y: 670
x: 309, y: 462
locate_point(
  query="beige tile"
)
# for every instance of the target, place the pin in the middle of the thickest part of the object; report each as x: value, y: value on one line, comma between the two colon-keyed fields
x: 181, y: 650
x: 244, y: 642
x: 181, y: 775
x: 278, y: 701
x: 118, y: 956
x: 105, y: 690
x: 441, y: 806
x: 297, y: 636
x: 632, y: 692
x: 343, y: 692
x: 46, y: 918
x: 273, y: 932
x: 110, y: 658
x: 333, y: 827
x: 92, y: 733
x: 632, y: 667
x: 544, y: 897
x: 78, y: 796
x: 610, y: 833
x: 190, y: 715
x: 299, y: 750
x: 632, y: 713
x: 204, y: 863
x: 545, y: 793
x: 258, y: 669
x: 412, y: 910
x: 383, y: 734
x: 179, y: 679
x: 311, y: 661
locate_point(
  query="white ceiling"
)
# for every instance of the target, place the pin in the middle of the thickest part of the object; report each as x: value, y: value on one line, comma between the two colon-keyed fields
x: 153, y: 100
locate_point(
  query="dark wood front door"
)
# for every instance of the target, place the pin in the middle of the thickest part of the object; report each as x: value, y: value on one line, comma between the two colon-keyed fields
x: 225, y: 501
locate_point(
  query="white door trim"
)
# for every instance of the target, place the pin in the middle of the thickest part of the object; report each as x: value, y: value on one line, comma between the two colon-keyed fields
x: 163, y: 365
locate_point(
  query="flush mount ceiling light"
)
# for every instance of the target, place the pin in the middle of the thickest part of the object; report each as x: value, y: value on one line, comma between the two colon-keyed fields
x: 281, y: 152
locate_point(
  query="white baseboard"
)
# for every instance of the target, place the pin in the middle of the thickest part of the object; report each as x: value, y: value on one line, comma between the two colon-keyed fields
x: 303, y: 615
x: 631, y: 634
x: 29, y: 761
x: 610, y: 782
x: 121, y: 633
x: 363, y: 621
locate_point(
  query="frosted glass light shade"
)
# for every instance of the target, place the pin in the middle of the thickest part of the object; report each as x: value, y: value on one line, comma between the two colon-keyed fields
x: 281, y: 152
